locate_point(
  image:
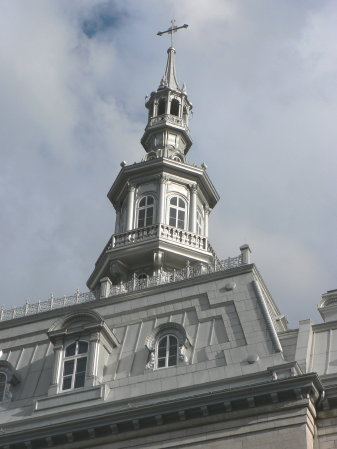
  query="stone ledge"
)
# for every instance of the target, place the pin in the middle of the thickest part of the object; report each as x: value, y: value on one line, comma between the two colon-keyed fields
x: 70, y: 398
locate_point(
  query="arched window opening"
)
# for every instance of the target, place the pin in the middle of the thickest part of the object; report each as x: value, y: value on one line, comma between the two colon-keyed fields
x: 3, y: 381
x: 145, y: 211
x: 75, y: 365
x: 200, y: 223
x: 142, y: 279
x: 174, y: 107
x: 167, y: 351
x: 177, y: 212
x: 162, y: 106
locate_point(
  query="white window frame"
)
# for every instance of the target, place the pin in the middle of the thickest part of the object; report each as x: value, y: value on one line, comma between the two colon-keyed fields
x: 178, y: 209
x: 75, y: 358
x: 168, y: 351
x: 146, y: 207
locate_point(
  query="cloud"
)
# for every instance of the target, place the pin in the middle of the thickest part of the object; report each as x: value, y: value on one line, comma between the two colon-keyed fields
x: 73, y: 80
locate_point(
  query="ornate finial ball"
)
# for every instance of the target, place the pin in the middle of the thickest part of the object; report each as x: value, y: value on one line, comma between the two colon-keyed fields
x: 123, y: 163
x: 204, y: 166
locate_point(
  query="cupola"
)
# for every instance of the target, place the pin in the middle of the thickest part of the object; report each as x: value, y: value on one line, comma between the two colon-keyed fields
x: 162, y: 203
x: 167, y: 133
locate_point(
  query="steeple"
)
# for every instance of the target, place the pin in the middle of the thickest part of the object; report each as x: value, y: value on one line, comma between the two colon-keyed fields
x: 167, y: 133
x: 162, y: 203
x: 170, y: 78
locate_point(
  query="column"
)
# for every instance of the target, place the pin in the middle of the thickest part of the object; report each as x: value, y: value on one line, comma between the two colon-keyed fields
x: 118, y: 217
x: 131, y: 206
x: 193, y: 208
x: 93, y: 357
x: 207, y: 212
x: 56, y: 369
x: 162, y: 195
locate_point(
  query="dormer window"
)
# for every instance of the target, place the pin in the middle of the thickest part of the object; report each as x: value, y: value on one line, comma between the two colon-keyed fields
x: 168, y: 346
x: 177, y: 212
x: 8, y: 379
x: 75, y: 365
x: 162, y: 106
x: 81, y: 342
x: 174, y: 110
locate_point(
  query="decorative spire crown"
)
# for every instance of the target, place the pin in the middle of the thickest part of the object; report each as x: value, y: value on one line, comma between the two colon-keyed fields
x: 170, y: 77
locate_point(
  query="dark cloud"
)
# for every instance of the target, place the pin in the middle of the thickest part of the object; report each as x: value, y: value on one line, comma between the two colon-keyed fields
x: 103, y: 17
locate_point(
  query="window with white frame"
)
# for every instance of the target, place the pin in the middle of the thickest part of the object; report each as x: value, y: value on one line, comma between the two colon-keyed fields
x: 145, y: 211
x: 3, y: 382
x: 75, y: 365
x: 168, y: 346
x: 200, y: 222
x: 167, y: 352
x: 177, y: 212
x: 75, y: 337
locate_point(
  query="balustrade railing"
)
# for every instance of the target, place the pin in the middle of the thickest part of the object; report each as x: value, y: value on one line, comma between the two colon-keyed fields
x: 168, y: 118
x: 132, y: 285
x: 158, y: 231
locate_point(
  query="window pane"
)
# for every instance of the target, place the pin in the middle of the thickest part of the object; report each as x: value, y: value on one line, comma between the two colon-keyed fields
x: 162, y: 352
x: 82, y: 347
x: 181, y: 215
x: 173, y: 201
x: 161, y: 363
x: 71, y: 350
x: 81, y: 364
x: 172, y: 361
x: 149, y: 200
x: 68, y: 367
x: 173, y: 212
x: 142, y: 202
x: 66, y: 383
x: 79, y: 380
x: 2, y: 378
x: 181, y: 203
x: 149, y: 212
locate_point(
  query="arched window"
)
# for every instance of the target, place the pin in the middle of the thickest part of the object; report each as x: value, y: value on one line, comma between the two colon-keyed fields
x: 74, y: 365
x: 167, y: 352
x: 143, y: 279
x: 177, y: 212
x: 162, y: 106
x: 145, y: 211
x: 200, y: 223
x: 174, y: 107
x: 3, y: 381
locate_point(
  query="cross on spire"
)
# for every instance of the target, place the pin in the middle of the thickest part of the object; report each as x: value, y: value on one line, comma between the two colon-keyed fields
x: 172, y: 29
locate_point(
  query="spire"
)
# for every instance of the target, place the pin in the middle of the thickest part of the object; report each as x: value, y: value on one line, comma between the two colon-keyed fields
x: 170, y: 78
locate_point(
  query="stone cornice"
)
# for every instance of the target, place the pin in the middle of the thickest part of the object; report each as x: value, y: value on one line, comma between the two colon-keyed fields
x: 116, y: 413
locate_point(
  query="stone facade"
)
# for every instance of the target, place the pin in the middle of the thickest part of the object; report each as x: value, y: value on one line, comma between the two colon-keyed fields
x: 172, y: 348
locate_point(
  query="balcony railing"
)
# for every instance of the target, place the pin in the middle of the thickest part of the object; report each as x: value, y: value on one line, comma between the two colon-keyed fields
x: 162, y: 231
x: 168, y: 118
x: 132, y: 285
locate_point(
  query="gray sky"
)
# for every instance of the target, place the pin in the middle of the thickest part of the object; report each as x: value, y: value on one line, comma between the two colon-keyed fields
x: 262, y: 78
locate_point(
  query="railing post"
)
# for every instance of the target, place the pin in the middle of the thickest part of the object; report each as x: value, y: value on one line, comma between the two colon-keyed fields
x: 245, y: 253
x: 105, y: 287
